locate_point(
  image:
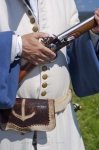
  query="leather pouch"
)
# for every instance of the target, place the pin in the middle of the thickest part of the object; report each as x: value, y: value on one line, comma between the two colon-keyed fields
x: 29, y: 115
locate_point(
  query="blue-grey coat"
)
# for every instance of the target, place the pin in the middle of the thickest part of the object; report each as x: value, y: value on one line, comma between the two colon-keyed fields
x: 84, y: 66
x: 8, y: 72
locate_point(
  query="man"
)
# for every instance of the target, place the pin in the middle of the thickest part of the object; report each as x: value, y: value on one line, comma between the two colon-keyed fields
x: 46, y: 80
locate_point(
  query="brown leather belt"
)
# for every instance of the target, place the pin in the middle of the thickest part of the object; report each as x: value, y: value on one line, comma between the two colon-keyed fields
x: 61, y: 102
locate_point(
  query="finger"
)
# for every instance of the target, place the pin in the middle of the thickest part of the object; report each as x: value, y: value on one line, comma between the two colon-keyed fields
x: 44, y: 57
x: 40, y: 56
x: 33, y: 61
x: 97, y: 19
x: 49, y: 53
x: 40, y: 35
x: 38, y: 61
x: 97, y: 12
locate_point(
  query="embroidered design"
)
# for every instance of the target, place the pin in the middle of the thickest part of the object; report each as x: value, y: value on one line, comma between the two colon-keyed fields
x: 23, y: 117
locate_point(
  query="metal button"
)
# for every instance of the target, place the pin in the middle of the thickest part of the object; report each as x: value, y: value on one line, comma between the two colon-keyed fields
x: 29, y: 13
x: 44, y: 85
x: 44, y: 68
x: 35, y: 28
x: 45, y: 76
x: 43, y: 93
x: 32, y: 20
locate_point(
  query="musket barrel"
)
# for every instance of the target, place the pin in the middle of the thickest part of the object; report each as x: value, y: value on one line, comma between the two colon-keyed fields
x: 79, y: 29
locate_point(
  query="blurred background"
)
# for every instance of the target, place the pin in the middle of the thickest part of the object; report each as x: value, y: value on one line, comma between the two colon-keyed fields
x: 86, y: 7
x: 88, y: 115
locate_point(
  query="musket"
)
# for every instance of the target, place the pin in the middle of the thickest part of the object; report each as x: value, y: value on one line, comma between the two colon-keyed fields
x: 55, y: 43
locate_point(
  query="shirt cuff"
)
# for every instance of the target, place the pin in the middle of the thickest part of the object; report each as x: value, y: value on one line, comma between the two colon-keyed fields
x: 19, y: 46
x: 16, y: 47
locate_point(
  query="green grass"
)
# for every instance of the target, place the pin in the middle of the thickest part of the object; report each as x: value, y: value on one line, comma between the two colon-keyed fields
x: 88, y: 119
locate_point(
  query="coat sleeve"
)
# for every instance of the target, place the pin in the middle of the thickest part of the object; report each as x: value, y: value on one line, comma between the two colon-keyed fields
x: 9, y: 73
x: 84, y: 66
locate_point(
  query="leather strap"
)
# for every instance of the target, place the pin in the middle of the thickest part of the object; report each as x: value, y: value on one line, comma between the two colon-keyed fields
x: 61, y: 102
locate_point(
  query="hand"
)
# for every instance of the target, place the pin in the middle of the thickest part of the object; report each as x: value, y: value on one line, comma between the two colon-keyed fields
x: 96, y: 29
x: 34, y: 51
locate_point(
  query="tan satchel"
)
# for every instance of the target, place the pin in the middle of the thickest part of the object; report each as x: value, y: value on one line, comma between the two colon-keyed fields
x: 29, y: 115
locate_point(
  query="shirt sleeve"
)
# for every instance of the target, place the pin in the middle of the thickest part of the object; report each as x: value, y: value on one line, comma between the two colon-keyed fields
x: 16, y: 47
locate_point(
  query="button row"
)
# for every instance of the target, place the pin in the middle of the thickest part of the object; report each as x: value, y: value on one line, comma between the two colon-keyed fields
x: 44, y: 85
x: 33, y: 21
x: 44, y: 68
x: 29, y: 13
x: 35, y: 28
x: 43, y: 93
x: 44, y: 77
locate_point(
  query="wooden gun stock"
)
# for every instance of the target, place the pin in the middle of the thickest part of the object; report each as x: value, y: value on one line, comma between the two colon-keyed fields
x: 57, y: 42
x: 25, y: 70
